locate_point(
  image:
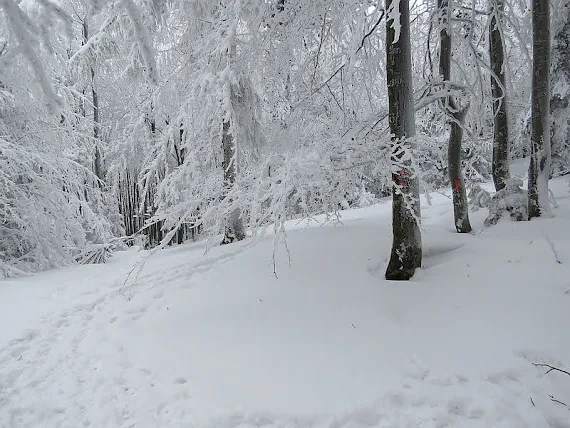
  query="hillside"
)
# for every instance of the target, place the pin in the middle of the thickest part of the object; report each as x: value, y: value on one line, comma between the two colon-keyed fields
x: 219, y: 340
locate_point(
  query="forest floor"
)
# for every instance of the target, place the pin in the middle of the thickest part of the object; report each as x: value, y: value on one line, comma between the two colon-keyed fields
x: 220, y: 341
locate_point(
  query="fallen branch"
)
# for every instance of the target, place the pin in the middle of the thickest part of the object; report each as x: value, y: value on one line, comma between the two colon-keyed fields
x: 551, y: 368
x: 557, y: 401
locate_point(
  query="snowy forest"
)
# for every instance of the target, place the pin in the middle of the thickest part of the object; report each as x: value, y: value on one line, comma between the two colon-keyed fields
x: 284, y: 213
x: 161, y: 121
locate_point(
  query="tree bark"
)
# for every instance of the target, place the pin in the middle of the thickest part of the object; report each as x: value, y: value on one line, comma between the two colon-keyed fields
x: 406, y: 254
x: 560, y: 89
x: 235, y: 230
x: 457, y: 115
x: 500, y: 165
x: 539, y: 169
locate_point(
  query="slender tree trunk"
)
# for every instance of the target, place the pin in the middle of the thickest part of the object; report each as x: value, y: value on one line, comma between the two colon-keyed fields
x: 406, y: 253
x: 460, y: 205
x: 500, y: 166
x: 457, y: 116
x: 539, y: 170
x: 98, y: 161
x: 98, y: 164
x: 235, y: 230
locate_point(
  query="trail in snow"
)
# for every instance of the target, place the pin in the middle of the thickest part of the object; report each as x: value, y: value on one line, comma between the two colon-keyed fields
x: 218, y: 341
x: 55, y: 372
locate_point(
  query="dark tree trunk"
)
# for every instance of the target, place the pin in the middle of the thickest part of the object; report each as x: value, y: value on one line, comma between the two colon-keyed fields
x: 560, y: 94
x: 460, y: 205
x: 406, y: 253
x: 457, y: 116
x: 234, y: 225
x: 500, y: 167
x: 130, y: 203
x: 539, y: 169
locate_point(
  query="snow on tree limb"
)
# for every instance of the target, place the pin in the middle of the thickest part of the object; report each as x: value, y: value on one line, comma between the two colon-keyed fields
x: 143, y: 40
x: 26, y: 33
x: 52, y: 8
x: 393, y: 14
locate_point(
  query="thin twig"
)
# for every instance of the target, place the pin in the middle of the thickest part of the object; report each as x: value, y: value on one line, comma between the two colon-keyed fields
x: 338, y: 70
x: 557, y: 401
x: 551, y: 368
x: 556, y: 258
x: 320, y: 47
x: 371, y: 30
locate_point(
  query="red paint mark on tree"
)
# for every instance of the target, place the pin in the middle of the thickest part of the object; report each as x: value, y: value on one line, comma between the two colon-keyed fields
x: 456, y: 185
x: 402, y: 177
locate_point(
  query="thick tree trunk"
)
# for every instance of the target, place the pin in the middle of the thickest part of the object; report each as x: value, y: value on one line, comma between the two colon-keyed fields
x: 539, y: 169
x: 406, y: 253
x: 560, y: 89
x: 457, y: 116
x: 235, y: 230
x: 500, y: 166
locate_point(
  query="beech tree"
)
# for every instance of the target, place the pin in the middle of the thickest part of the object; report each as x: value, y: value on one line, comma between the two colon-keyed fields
x: 499, y: 95
x: 406, y: 254
x: 539, y: 169
x: 560, y: 88
x: 456, y: 114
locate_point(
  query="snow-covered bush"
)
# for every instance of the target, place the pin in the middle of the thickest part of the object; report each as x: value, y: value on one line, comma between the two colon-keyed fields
x: 512, y: 199
x: 478, y: 197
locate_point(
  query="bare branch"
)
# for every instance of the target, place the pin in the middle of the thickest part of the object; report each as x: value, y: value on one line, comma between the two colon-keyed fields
x: 551, y: 368
x: 338, y: 70
x: 371, y: 31
x: 557, y: 401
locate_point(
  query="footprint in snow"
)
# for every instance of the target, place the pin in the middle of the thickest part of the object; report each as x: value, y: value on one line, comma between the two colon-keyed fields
x: 180, y: 380
x: 458, y: 406
x: 506, y: 376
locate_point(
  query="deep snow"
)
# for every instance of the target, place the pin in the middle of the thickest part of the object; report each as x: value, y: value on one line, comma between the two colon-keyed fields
x: 218, y: 340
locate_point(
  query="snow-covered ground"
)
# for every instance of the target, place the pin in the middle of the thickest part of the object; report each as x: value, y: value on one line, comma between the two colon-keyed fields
x: 220, y: 341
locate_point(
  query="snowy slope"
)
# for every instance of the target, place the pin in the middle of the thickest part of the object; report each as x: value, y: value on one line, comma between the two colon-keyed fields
x: 220, y: 341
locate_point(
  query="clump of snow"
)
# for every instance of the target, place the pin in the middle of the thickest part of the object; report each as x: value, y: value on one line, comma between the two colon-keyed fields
x: 513, y: 199
x: 478, y: 197
x: 561, y: 88
x: 365, y: 198
x: 393, y: 16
